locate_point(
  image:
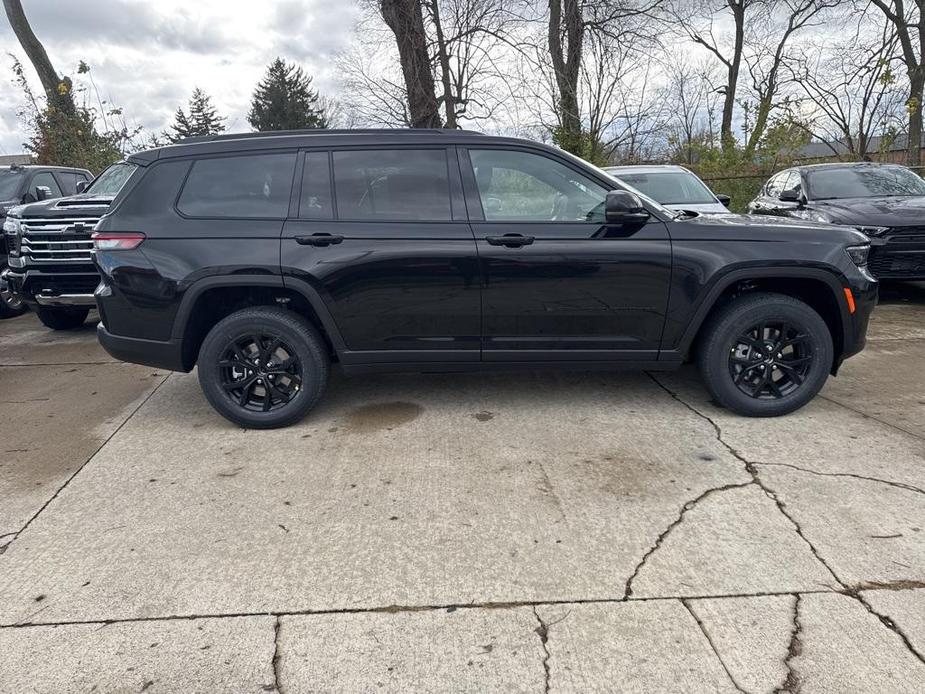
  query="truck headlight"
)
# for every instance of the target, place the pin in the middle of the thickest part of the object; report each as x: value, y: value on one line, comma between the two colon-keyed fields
x: 872, y: 231
x: 11, y: 225
x: 858, y: 254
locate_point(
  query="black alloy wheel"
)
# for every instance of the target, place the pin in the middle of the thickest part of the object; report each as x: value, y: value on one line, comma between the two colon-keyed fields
x: 260, y: 372
x: 771, y: 360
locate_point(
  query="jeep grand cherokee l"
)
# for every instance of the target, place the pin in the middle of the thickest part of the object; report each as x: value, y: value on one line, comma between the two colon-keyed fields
x: 49, y: 251
x: 266, y: 258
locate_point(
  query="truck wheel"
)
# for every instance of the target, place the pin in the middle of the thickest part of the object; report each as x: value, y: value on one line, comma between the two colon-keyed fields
x: 11, y: 305
x: 764, y: 355
x: 263, y: 367
x: 62, y: 318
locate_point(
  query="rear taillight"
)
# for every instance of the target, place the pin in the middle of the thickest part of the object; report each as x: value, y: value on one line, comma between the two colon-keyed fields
x: 117, y: 240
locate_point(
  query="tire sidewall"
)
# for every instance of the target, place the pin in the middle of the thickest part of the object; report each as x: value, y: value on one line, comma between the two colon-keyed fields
x: 715, y: 363
x: 313, y: 361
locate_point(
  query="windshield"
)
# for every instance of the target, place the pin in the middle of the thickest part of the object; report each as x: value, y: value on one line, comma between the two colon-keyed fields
x: 110, y: 182
x: 10, y: 180
x: 669, y: 187
x: 648, y: 199
x: 863, y: 182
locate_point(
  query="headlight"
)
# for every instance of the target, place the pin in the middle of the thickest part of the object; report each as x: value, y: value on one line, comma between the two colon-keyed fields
x: 11, y: 225
x: 858, y: 254
x: 872, y: 231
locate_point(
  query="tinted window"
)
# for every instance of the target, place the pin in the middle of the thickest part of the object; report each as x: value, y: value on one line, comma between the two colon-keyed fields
x: 110, y: 182
x: 316, y: 187
x: 669, y: 187
x: 392, y: 184
x: 793, y: 182
x: 864, y: 182
x: 10, y: 181
x: 257, y: 185
x: 519, y: 186
x: 776, y: 184
x: 69, y: 181
x: 46, y: 179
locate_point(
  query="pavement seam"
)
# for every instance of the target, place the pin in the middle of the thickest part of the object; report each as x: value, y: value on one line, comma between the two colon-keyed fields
x: 898, y: 485
x: 83, y: 465
x: 543, y: 632
x: 871, y: 417
x: 402, y: 609
x: 706, y: 635
x: 65, y: 363
x: 792, y: 682
x: 688, y: 505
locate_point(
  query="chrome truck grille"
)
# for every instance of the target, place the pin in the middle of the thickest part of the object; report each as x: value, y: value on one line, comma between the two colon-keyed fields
x: 56, y: 241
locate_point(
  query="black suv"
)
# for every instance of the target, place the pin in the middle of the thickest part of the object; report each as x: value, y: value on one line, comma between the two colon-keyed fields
x: 884, y: 201
x: 265, y: 258
x: 24, y: 184
x: 49, y: 246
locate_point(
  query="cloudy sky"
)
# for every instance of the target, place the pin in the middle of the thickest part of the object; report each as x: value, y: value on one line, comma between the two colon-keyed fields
x: 147, y: 57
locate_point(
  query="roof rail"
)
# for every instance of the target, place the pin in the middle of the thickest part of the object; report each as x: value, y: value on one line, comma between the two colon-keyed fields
x: 325, y: 131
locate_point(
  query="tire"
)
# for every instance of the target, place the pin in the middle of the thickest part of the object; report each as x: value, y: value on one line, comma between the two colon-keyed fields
x: 736, y: 365
x: 10, y: 305
x: 238, y: 384
x: 62, y: 318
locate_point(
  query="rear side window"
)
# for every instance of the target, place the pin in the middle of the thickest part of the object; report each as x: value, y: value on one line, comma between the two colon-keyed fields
x: 400, y: 184
x: 316, y: 187
x: 255, y: 185
x: 69, y: 181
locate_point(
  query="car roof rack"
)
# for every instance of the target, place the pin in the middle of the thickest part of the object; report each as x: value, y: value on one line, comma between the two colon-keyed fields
x: 326, y: 131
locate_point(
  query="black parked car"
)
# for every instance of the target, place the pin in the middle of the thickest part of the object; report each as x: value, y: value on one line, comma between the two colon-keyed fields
x: 884, y: 201
x: 49, y: 243
x: 265, y: 258
x: 24, y: 184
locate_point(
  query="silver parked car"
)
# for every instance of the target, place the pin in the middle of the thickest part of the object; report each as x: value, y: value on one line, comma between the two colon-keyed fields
x: 673, y: 186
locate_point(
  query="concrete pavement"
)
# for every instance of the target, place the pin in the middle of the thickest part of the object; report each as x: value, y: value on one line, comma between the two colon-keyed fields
x: 529, y: 532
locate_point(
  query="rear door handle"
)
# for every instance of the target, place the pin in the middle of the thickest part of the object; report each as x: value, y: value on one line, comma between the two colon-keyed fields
x: 510, y: 240
x: 319, y: 240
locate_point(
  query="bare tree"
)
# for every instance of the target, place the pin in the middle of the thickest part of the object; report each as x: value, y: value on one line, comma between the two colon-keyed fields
x: 406, y: 20
x: 909, y: 23
x: 853, y: 89
x: 693, y: 98
x: 57, y: 89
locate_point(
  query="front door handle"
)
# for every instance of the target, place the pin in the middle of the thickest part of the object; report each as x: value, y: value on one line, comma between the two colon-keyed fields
x: 510, y: 240
x: 319, y: 240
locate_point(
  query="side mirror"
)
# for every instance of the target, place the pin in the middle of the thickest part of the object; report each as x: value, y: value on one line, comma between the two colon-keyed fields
x: 789, y: 196
x: 82, y: 186
x: 724, y: 199
x: 42, y: 193
x: 624, y: 207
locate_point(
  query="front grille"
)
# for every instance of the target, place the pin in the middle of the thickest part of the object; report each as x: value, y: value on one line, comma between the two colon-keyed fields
x: 55, y: 241
x: 906, y: 234
x: 896, y: 264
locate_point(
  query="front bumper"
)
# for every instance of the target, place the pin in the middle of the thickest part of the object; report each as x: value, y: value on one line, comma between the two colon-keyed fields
x: 898, y: 257
x: 41, y: 288
x: 159, y: 354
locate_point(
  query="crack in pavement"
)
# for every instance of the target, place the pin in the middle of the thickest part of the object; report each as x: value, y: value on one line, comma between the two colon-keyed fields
x: 898, y: 485
x: 628, y: 588
x: 751, y: 467
x: 706, y: 635
x: 80, y: 467
x: 543, y: 632
x: 832, y: 400
x: 277, y: 684
x: 792, y: 682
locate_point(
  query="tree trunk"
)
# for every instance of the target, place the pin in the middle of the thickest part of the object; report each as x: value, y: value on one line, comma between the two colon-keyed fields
x: 35, y: 51
x: 443, y: 59
x: 914, y: 146
x: 738, y: 14
x: 566, y: 63
x: 405, y: 19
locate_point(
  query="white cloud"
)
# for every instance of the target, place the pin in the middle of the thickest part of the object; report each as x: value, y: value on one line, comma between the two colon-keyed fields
x: 146, y: 57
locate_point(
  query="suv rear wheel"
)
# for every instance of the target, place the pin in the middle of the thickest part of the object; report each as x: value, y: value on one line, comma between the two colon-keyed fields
x: 765, y: 354
x: 62, y: 318
x: 263, y: 368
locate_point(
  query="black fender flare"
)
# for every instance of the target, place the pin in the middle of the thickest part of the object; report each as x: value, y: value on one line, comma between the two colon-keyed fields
x: 721, y: 284
x: 311, y: 295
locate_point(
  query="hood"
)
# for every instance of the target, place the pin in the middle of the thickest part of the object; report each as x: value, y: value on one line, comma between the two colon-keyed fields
x: 701, y: 207
x: 763, y: 228
x: 880, y: 212
x: 83, y: 205
x: 6, y: 206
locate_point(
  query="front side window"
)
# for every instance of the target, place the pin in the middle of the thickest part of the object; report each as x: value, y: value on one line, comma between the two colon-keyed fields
x: 110, y: 182
x: 864, y: 182
x: 45, y: 179
x: 776, y: 184
x: 670, y: 187
x: 399, y: 184
x: 250, y: 186
x: 521, y: 186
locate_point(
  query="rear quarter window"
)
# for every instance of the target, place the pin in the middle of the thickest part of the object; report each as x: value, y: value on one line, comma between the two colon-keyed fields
x: 254, y: 185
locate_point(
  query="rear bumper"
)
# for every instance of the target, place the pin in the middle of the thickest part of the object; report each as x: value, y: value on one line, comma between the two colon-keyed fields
x: 160, y: 354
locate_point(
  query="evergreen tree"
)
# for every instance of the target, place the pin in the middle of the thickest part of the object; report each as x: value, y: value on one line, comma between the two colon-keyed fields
x: 284, y: 100
x: 202, y: 119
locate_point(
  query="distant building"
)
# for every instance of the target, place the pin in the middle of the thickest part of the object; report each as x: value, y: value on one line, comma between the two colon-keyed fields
x: 877, y: 150
x: 9, y: 159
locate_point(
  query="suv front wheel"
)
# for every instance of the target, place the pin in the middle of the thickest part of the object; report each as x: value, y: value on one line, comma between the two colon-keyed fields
x: 263, y: 368
x: 764, y: 355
